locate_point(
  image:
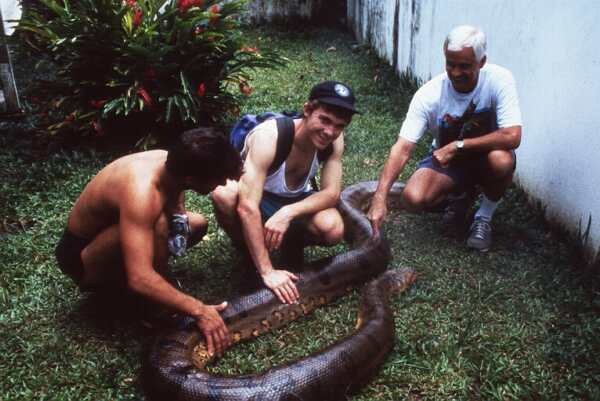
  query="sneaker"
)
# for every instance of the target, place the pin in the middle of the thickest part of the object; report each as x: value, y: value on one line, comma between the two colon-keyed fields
x: 480, y: 237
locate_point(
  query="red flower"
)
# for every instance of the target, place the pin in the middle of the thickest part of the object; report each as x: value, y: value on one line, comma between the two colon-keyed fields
x: 214, y: 10
x: 137, y: 17
x: 97, y: 128
x: 97, y: 104
x: 249, y: 49
x: 130, y: 3
x: 245, y: 88
x: 185, y: 5
x: 149, y: 73
x: 201, y: 90
x: 145, y: 96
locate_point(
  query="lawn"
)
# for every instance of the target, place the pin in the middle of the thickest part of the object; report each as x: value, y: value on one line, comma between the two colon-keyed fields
x: 521, y: 322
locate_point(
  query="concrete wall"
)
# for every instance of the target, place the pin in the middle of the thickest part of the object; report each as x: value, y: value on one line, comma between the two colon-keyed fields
x: 322, y: 11
x: 551, y: 48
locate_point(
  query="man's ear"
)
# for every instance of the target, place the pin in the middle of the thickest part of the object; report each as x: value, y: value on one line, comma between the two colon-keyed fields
x: 482, y: 62
x: 307, y: 109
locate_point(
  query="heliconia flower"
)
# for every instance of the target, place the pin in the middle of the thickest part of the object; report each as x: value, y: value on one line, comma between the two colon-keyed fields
x: 201, y: 90
x: 97, y: 104
x: 137, y: 17
x: 184, y: 5
x: 249, y: 49
x: 145, y: 96
x: 214, y: 10
x: 149, y: 73
x: 245, y: 88
x: 130, y: 3
x: 97, y: 128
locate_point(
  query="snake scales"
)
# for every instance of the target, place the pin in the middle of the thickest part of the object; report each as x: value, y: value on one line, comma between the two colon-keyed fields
x: 175, y: 366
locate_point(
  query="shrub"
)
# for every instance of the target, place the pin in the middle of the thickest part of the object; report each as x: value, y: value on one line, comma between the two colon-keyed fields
x: 142, y: 68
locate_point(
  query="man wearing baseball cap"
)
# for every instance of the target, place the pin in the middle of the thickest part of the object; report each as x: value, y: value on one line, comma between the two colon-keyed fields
x: 268, y: 210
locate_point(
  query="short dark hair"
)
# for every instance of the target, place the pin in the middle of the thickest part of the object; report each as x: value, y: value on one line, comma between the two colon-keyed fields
x: 339, y: 112
x: 204, y: 153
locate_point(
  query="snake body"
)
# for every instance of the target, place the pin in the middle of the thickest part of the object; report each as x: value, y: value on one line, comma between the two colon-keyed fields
x: 175, y: 366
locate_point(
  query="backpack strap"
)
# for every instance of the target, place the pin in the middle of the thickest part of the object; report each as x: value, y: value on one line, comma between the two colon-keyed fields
x: 285, y: 140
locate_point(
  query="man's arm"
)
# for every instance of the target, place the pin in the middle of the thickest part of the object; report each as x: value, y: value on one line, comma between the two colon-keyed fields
x: 137, y: 219
x: 327, y: 197
x: 508, y: 116
x: 502, y: 139
x: 399, y: 155
x: 260, y: 156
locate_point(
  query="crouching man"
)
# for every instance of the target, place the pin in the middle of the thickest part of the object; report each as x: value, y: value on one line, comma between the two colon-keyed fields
x: 473, y: 113
x: 267, y: 209
x: 118, y: 230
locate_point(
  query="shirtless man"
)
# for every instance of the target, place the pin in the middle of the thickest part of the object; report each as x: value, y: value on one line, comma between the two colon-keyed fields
x: 262, y: 207
x: 117, y: 232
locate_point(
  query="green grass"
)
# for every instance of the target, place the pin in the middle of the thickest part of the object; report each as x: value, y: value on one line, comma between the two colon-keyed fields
x: 519, y: 323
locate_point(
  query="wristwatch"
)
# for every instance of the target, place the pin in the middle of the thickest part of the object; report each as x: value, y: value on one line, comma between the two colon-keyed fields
x: 460, y: 145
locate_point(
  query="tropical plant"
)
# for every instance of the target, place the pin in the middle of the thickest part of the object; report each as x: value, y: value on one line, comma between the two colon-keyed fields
x: 152, y: 66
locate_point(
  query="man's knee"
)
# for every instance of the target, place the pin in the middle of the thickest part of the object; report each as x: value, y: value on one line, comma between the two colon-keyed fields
x: 424, y: 189
x: 328, y: 226
x: 198, y: 227
x: 413, y: 199
x: 501, y: 163
x: 225, y: 198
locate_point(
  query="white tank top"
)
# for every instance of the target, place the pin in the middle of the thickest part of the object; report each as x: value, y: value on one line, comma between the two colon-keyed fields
x: 275, y: 183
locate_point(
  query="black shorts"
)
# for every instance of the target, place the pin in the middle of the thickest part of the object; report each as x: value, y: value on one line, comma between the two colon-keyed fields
x: 68, y: 255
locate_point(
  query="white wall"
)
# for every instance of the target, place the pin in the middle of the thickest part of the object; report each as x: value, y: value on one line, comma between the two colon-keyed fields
x: 552, y: 48
x: 11, y: 10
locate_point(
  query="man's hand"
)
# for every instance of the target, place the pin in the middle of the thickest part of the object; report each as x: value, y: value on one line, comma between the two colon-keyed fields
x: 443, y: 156
x: 212, y: 326
x: 276, y: 227
x: 281, y: 282
x: 376, y: 214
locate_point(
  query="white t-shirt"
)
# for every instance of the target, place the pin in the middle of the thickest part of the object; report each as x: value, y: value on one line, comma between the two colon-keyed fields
x: 496, y: 91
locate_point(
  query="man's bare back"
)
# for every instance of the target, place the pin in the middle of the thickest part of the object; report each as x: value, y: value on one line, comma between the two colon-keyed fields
x: 118, y: 230
x: 130, y: 178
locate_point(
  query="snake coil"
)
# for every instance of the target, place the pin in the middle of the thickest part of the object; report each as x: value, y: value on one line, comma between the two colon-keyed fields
x: 175, y: 365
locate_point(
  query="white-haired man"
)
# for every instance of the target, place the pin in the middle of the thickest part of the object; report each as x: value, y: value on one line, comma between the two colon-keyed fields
x: 473, y: 112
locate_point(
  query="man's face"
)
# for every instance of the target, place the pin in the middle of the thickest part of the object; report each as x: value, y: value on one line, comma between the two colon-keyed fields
x: 463, y: 69
x: 324, y: 126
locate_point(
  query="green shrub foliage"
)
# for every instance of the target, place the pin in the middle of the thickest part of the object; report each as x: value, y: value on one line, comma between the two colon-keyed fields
x: 141, y: 67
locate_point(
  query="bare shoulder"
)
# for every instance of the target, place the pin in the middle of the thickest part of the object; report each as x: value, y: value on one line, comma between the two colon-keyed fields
x: 126, y: 184
x: 136, y: 179
x: 261, y: 145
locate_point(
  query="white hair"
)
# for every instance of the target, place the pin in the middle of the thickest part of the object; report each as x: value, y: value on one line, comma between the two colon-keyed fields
x: 467, y: 36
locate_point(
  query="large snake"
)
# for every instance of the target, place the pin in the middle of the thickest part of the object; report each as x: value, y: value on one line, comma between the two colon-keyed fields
x: 175, y: 368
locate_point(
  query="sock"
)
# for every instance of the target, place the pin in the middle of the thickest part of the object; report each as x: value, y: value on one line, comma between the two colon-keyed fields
x: 486, y: 208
